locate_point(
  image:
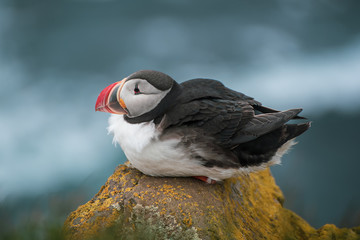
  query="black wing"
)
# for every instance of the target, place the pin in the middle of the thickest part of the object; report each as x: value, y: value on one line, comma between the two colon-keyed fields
x: 227, y: 115
x: 216, y: 117
x: 229, y: 122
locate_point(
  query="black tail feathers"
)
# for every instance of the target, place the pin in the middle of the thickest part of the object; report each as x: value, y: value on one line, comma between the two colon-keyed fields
x: 262, y: 149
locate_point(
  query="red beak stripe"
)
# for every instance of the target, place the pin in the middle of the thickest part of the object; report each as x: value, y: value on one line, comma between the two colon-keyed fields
x: 102, y: 100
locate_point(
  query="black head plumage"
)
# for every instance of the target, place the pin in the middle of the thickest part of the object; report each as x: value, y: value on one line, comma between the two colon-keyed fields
x: 159, y: 80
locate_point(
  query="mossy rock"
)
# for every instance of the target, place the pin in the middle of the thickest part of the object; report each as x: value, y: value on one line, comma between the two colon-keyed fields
x: 132, y: 205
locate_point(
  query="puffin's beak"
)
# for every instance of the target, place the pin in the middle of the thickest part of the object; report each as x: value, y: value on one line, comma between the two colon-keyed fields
x: 109, y: 99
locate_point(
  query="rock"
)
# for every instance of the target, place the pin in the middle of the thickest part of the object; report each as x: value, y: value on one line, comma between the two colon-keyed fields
x: 132, y: 205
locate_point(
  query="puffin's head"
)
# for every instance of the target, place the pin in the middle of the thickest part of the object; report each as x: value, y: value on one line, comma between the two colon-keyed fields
x: 141, y: 93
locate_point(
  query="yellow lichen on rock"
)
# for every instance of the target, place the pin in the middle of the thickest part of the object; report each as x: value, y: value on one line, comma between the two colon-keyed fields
x: 136, y: 206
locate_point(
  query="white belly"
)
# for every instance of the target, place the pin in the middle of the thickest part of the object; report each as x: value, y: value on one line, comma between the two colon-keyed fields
x: 142, y: 147
x: 155, y: 157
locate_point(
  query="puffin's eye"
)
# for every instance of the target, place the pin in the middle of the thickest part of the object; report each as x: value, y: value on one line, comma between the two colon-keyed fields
x: 136, y: 90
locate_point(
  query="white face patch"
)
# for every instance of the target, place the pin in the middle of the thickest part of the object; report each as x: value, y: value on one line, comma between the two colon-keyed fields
x: 140, y: 96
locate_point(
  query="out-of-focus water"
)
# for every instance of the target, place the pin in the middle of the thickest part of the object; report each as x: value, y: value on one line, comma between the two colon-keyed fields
x: 55, y: 57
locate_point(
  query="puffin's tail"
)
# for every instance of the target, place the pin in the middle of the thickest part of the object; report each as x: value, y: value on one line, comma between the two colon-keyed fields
x: 262, y: 150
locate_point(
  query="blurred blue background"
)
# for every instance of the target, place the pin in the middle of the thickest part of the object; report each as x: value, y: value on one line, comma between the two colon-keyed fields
x: 56, y: 56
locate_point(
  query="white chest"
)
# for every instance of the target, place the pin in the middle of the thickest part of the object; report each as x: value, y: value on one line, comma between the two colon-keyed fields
x: 132, y: 138
x: 153, y: 156
x: 142, y: 147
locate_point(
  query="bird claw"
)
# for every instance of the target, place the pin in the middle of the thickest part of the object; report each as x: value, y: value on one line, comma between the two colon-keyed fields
x: 206, y: 179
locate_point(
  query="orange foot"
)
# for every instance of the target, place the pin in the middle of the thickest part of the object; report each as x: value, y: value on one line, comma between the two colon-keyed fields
x: 206, y: 179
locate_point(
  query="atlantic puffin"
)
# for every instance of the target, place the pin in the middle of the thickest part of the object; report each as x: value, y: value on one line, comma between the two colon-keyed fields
x: 198, y: 128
